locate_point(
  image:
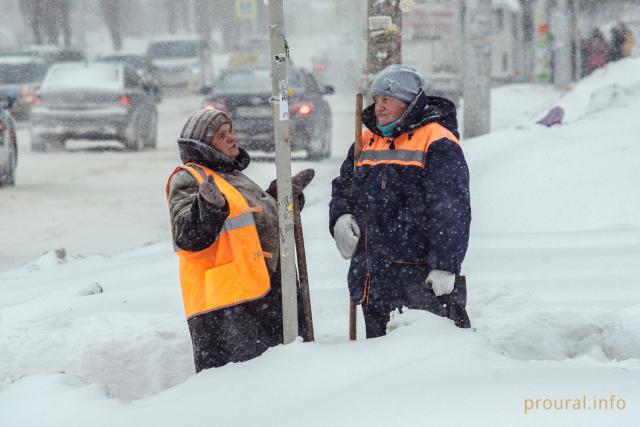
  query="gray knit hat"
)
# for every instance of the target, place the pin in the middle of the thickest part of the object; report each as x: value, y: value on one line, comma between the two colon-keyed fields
x: 202, y: 125
x: 398, y: 81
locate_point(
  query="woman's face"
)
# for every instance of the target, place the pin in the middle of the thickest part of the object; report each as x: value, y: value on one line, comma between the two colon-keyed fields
x: 388, y: 109
x: 225, y: 141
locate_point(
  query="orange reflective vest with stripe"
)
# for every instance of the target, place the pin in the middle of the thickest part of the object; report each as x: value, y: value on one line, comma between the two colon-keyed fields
x: 230, y: 271
x: 410, y: 148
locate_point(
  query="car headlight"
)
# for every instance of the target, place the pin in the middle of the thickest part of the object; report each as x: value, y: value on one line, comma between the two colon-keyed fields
x: 195, y: 70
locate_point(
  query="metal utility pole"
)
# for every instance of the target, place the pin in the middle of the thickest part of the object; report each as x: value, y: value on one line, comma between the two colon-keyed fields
x: 203, y: 11
x: 562, y: 31
x: 384, y: 36
x: 477, y: 67
x: 280, y: 113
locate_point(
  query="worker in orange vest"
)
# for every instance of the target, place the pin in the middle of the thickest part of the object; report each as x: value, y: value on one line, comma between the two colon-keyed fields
x: 225, y: 233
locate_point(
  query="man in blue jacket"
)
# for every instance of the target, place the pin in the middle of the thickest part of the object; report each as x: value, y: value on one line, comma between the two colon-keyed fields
x: 403, y: 213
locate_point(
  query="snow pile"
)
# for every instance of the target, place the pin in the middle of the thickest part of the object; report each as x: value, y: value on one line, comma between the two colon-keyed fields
x: 529, y: 328
x: 613, y: 86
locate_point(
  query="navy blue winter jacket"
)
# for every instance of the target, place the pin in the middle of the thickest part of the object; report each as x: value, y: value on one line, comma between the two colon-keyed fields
x: 412, y: 219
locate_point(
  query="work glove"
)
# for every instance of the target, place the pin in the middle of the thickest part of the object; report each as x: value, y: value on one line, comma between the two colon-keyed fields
x: 346, y: 234
x: 211, y: 193
x: 441, y: 282
x: 298, y: 183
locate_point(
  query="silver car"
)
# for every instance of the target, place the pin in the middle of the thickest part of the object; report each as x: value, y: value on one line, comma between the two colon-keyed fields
x: 94, y: 101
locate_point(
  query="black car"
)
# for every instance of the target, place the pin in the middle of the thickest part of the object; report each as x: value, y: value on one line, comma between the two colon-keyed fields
x: 8, y: 145
x: 20, y: 78
x: 244, y: 94
x: 97, y: 101
x: 144, y: 67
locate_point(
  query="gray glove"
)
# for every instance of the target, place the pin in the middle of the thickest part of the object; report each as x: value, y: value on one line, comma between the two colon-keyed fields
x: 346, y: 234
x: 441, y: 282
x: 211, y: 193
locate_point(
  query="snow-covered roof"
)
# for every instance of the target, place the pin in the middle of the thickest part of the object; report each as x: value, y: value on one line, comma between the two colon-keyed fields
x: 18, y: 59
x: 102, y: 75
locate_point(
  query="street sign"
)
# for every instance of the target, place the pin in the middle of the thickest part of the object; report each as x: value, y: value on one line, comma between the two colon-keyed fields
x: 246, y: 10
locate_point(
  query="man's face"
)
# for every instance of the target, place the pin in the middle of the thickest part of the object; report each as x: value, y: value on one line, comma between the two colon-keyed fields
x: 388, y: 109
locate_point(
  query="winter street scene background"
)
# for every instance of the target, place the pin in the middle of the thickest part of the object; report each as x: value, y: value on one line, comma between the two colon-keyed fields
x: 92, y: 323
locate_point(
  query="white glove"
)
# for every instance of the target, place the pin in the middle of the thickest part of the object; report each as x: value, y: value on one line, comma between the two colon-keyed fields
x: 441, y: 282
x: 346, y: 233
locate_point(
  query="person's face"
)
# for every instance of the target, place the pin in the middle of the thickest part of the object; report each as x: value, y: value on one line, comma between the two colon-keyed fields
x: 225, y: 141
x: 388, y: 109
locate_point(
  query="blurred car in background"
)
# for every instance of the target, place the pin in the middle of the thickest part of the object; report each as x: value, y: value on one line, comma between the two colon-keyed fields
x: 244, y: 94
x: 143, y: 66
x: 20, y: 78
x: 8, y: 145
x: 94, y: 101
x: 177, y: 60
x: 320, y: 66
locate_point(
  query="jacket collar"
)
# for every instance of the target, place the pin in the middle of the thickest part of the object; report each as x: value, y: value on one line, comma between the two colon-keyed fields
x: 192, y: 151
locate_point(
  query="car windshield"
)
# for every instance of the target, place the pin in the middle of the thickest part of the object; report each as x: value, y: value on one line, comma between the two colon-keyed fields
x: 21, y: 73
x: 173, y: 49
x: 96, y: 75
x: 252, y: 81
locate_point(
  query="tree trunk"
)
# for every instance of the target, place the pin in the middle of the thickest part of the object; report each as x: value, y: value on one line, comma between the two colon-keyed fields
x: 384, y: 36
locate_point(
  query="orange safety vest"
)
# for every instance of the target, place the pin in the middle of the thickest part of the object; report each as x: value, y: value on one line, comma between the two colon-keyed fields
x: 410, y: 147
x: 230, y: 271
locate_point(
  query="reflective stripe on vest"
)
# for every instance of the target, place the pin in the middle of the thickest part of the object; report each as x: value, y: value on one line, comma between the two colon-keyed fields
x: 230, y: 271
x: 409, y: 151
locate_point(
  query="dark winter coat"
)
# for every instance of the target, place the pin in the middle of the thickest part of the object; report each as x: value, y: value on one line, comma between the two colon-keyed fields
x: 412, y: 219
x: 246, y: 330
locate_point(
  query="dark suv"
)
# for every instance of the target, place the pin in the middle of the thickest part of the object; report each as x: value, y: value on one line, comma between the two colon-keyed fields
x: 244, y: 94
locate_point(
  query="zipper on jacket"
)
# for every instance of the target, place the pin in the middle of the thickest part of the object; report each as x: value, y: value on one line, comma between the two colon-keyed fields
x: 367, y: 280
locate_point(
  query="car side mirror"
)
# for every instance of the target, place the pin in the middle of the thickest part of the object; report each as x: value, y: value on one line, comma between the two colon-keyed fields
x: 6, y: 102
x: 205, y: 90
x: 327, y: 90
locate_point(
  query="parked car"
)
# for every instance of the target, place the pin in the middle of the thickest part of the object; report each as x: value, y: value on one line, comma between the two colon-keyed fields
x: 177, y: 60
x: 94, y: 101
x: 244, y: 93
x: 20, y: 78
x: 143, y: 66
x: 8, y: 145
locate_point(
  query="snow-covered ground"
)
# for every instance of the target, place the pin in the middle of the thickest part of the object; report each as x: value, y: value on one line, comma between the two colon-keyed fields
x: 98, y: 337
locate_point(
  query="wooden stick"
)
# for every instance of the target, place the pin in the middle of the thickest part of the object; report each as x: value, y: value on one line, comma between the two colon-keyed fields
x: 357, y: 148
x: 302, y: 272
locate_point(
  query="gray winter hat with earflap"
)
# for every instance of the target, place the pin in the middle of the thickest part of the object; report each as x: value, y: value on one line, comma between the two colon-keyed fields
x: 398, y: 81
x: 202, y: 125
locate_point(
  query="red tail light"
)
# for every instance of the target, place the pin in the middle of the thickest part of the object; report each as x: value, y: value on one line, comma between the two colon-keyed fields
x: 320, y: 67
x: 124, y: 101
x: 304, y: 108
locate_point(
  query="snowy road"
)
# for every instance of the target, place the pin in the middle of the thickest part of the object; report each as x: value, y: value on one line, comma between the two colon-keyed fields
x: 96, y: 198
